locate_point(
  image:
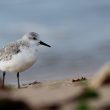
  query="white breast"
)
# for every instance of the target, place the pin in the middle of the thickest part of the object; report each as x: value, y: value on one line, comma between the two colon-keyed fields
x: 21, y: 61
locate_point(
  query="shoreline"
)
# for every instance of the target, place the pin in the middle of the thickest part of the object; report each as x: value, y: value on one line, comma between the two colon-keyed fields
x: 65, y: 94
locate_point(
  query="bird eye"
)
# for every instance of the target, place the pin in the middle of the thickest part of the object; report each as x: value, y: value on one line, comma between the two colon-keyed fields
x: 34, y: 38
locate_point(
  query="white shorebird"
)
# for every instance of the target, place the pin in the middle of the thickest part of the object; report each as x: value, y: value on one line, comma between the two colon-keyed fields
x: 20, y: 55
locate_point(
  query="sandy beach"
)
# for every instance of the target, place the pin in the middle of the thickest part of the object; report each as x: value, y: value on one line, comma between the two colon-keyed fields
x: 67, y: 94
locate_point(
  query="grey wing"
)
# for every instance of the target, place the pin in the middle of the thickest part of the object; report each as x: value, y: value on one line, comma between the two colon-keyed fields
x: 8, y: 51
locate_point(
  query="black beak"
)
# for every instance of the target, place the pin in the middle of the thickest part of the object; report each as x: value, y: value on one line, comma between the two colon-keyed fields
x: 42, y: 43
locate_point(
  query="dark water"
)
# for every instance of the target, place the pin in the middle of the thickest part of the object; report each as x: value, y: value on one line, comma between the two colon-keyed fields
x: 77, y: 30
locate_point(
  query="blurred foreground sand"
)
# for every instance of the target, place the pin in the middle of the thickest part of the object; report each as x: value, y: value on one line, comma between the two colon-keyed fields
x: 68, y: 94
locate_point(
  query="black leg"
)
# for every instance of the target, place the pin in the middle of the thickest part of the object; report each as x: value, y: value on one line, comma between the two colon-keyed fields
x: 18, y: 80
x: 4, y: 73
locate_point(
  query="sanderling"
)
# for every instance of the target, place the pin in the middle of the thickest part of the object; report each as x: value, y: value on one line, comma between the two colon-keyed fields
x: 20, y: 55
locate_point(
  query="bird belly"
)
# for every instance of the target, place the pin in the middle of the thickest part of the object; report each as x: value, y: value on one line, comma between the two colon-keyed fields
x: 19, y: 62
